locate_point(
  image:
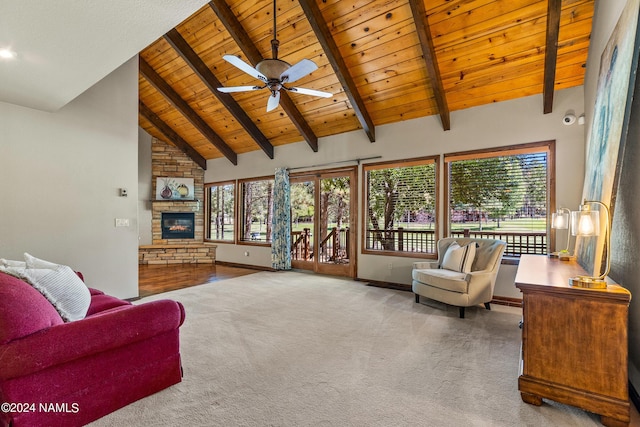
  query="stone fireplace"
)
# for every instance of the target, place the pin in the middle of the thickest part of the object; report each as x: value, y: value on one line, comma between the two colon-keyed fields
x: 177, y: 226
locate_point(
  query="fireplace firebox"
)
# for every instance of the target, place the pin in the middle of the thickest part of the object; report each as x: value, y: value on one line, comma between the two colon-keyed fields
x: 178, y: 225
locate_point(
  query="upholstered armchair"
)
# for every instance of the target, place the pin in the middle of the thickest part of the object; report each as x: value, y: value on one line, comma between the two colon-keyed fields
x: 464, y: 274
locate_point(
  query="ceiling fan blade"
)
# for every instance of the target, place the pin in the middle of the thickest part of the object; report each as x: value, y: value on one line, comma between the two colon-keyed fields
x: 273, y: 102
x: 311, y: 92
x: 298, y: 71
x: 230, y: 89
x: 239, y: 63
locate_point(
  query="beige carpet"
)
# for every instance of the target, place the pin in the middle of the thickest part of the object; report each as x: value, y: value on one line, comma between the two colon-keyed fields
x: 297, y: 349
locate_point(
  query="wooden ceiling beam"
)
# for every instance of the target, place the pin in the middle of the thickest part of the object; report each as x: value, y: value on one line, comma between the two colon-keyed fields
x: 181, y: 105
x: 315, y: 18
x: 180, y: 45
x: 551, y: 53
x: 171, y: 135
x: 231, y: 23
x: 429, y: 55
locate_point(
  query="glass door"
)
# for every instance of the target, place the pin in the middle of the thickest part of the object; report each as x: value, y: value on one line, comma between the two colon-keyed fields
x: 303, y: 201
x: 323, y: 222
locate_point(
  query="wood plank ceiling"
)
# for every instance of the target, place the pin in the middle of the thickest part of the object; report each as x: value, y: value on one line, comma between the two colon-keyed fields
x: 384, y: 60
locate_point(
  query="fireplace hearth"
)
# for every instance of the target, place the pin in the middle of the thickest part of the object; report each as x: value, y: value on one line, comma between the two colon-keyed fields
x: 178, y: 225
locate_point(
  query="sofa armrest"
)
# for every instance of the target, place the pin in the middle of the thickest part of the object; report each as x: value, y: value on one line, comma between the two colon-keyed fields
x: 104, y: 331
x: 425, y: 265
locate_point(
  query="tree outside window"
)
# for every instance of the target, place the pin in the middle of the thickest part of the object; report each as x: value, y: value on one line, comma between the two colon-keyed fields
x: 502, y: 194
x: 221, y: 211
x: 401, y: 207
x: 257, y: 208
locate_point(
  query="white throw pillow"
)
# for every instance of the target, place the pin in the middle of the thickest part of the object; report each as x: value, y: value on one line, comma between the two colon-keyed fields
x: 12, y: 263
x: 459, y: 258
x: 60, y: 285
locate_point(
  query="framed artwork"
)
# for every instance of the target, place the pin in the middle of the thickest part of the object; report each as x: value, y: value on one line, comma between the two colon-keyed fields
x: 609, y: 128
x: 168, y: 188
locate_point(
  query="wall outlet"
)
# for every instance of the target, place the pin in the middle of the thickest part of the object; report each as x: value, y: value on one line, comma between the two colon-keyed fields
x: 390, y: 266
x: 122, y: 222
x: 246, y: 253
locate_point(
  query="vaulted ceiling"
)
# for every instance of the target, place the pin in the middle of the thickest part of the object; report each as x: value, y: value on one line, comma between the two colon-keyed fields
x: 384, y: 61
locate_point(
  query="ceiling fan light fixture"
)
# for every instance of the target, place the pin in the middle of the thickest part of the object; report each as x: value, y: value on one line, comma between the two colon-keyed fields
x: 272, y: 68
x: 274, y: 73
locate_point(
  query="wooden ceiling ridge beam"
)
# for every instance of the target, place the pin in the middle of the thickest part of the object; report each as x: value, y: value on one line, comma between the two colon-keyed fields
x: 171, y: 135
x: 551, y: 54
x: 321, y: 30
x: 181, y: 105
x: 233, y: 26
x: 175, y: 39
x: 429, y: 55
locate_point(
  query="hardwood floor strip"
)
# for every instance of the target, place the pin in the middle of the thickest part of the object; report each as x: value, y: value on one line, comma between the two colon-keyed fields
x: 155, y: 279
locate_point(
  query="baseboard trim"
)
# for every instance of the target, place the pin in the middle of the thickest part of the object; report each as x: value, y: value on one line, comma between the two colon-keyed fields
x: 387, y: 285
x: 511, y: 302
x: 249, y: 266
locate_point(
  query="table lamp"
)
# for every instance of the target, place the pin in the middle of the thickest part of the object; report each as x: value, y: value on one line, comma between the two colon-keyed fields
x: 560, y: 221
x: 585, y: 223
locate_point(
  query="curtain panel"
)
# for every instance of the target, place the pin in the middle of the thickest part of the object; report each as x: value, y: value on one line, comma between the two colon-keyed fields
x: 281, y: 222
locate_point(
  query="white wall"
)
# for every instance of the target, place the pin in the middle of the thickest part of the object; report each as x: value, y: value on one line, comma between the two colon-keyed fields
x: 145, y: 188
x: 512, y: 122
x: 61, y: 174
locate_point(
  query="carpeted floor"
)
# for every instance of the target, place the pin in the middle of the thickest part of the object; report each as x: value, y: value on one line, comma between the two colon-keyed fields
x: 297, y: 349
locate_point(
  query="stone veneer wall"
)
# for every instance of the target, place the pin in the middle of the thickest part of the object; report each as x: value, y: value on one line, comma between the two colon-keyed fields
x: 169, y: 161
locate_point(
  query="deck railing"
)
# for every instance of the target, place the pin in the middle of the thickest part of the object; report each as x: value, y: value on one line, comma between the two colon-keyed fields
x: 518, y: 243
x: 301, y: 249
x: 401, y: 240
x: 334, y: 248
x: 424, y: 241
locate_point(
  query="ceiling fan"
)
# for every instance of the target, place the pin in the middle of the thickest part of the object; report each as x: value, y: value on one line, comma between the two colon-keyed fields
x: 274, y: 73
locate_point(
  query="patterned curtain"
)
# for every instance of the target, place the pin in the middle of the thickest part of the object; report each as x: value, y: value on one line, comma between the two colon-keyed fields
x: 281, y: 222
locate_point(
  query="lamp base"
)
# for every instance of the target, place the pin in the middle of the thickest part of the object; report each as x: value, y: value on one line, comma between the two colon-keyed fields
x: 588, y: 282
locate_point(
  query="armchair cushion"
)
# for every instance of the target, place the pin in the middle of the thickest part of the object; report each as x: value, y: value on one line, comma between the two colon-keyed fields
x: 459, y: 258
x: 443, y: 279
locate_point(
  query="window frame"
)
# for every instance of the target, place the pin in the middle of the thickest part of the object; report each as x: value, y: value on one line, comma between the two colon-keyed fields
x: 240, y: 211
x: 391, y: 164
x: 207, y: 211
x: 510, y: 150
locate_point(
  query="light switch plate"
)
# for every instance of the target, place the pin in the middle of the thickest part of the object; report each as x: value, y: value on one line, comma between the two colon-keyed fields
x: 122, y: 222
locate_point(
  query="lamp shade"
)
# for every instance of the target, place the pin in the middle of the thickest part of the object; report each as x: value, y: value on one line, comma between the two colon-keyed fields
x: 585, y: 223
x: 560, y: 220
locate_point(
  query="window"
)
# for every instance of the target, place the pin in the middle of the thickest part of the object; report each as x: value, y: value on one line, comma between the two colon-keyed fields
x: 256, y: 209
x: 400, y: 202
x: 220, y: 211
x: 503, y: 194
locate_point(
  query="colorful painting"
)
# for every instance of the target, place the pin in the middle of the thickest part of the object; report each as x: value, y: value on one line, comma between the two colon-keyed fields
x: 616, y: 82
x: 168, y: 188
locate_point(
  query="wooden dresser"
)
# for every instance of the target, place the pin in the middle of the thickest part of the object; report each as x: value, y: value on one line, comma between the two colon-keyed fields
x: 574, y: 340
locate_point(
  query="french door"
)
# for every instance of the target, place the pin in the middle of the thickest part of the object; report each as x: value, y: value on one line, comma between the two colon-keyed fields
x: 323, y: 226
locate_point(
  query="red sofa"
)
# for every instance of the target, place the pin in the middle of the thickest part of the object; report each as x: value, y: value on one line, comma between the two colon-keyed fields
x: 69, y: 374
